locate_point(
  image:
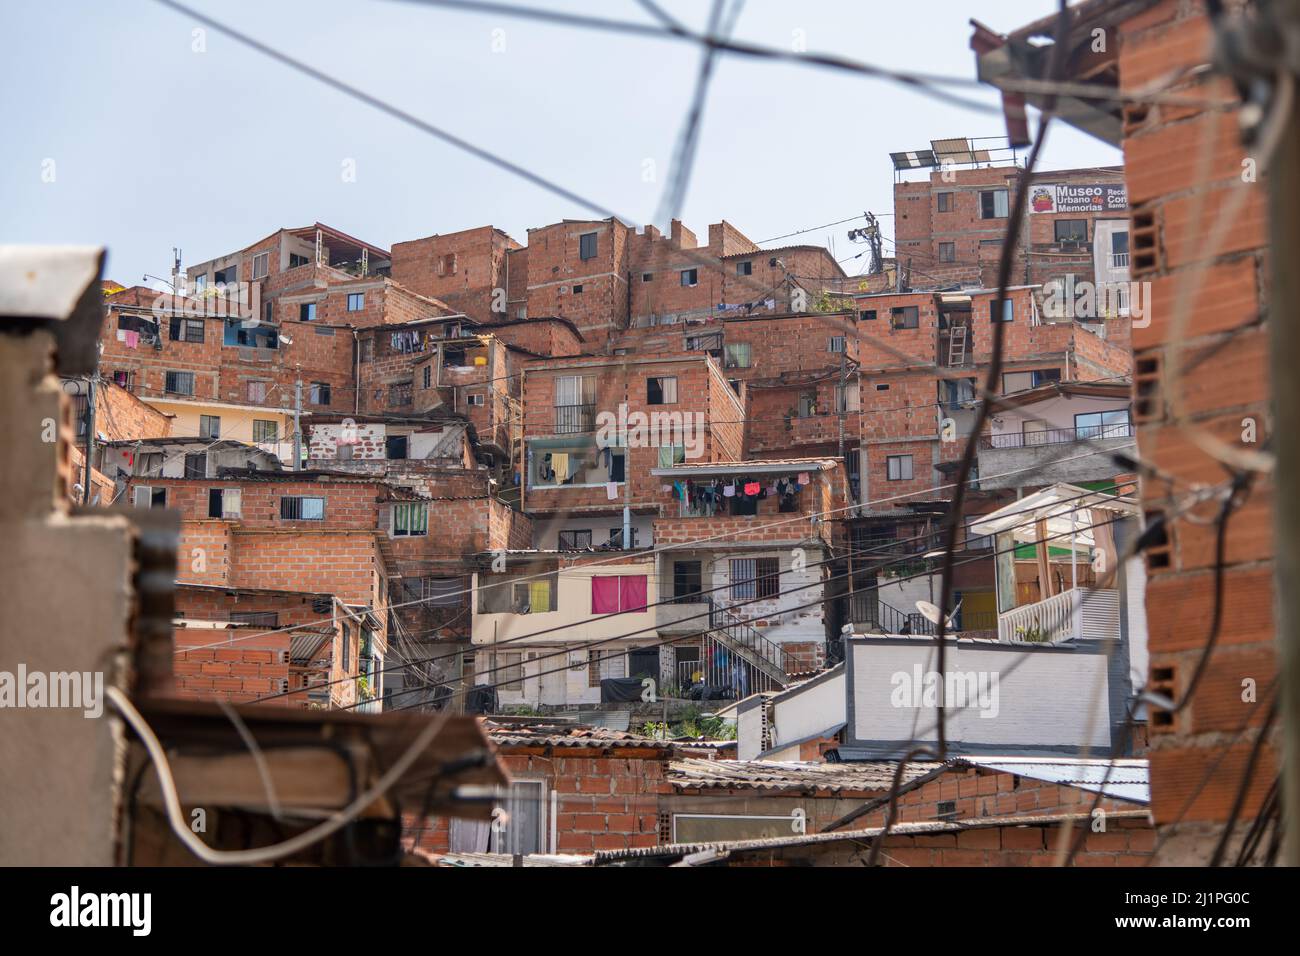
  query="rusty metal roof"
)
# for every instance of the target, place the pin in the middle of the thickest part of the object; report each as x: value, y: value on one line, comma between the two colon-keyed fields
x: 791, y: 777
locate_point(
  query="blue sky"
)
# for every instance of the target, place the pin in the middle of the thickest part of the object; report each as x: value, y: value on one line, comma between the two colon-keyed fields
x: 155, y: 145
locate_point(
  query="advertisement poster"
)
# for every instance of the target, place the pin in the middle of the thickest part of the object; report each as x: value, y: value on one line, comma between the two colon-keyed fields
x: 1062, y: 198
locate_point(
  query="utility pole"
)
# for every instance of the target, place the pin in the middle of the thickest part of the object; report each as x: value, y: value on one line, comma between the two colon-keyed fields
x: 1284, y: 237
x: 90, y: 436
x: 297, y: 425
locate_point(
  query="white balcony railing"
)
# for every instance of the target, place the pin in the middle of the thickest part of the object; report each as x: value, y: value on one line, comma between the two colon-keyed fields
x: 1077, y: 614
x: 1119, y: 260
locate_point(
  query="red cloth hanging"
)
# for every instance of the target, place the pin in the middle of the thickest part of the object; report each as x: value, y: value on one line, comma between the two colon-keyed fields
x: 632, y: 592
x: 604, y: 594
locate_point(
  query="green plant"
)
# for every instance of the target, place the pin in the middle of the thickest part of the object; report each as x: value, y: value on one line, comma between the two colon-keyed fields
x: 1032, y: 635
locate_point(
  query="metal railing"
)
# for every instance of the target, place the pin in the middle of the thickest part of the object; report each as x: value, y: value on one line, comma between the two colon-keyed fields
x: 1057, y: 436
x: 573, y: 419
x: 1069, y: 616
x: 1119, y: 260
x: 736, y: 660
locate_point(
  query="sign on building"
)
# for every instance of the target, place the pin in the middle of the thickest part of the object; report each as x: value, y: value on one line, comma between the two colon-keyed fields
x: 1067, y: 198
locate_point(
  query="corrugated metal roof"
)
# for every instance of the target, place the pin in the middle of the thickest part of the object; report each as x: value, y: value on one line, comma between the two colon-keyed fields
x: 902, y: 829
x: 506, y: 859
x: 562, y: 736
x: 1126, y: 779
x: 777, y: 776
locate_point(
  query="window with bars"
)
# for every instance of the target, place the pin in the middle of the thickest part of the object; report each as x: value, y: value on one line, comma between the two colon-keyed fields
x: 410, y: 518
x: 574, y: 540
x: 256, y: 392
x: 196, y: 465
x: 186, y: 330
x: 179, y: 383
x: 755, y: 577
x: 302, y: 508
x: 399, y: 393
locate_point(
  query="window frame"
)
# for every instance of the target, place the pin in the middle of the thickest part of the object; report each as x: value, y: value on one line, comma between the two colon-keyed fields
x: 666, y: 385
x: 895, y: 465
x: 299, y: 507
x: 359, y: 298
x: 588, y: 246
x: 407, y: 525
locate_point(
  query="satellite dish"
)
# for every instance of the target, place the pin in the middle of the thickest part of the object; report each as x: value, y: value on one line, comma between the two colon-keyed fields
x: 931, y: 612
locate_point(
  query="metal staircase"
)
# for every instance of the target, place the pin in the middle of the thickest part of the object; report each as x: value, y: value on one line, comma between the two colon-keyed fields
x: 739, y: 658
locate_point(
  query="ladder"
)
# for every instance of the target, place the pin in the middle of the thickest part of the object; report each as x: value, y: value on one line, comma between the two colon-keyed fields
x: 957, y: 345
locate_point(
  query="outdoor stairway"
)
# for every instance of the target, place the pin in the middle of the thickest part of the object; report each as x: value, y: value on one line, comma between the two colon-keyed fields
x: 763, y: 664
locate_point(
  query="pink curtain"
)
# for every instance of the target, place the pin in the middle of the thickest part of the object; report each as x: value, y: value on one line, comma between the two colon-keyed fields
x: 632, y: 588
x: 604, y: 594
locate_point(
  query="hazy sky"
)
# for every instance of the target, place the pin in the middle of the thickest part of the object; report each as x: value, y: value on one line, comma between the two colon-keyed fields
x: 155, y: 145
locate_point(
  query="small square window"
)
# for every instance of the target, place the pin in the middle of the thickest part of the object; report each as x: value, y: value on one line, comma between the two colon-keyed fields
x: 737, y: 355
x: 1070, y: 230
x: 867, y: 315
x: 647, y: 276
x: 837, y: 343
x: 307, y: 312
x: 320, y: 393
x: 577, y: 290
x: 210, y: 426
x: 587, y: 246
x: 993, y: 204
x: 661, y: 391
x: 905, y: 317
x: 356, y: 301
x: 261, y: 265
x: 945, y: 202
x: 947, y: 252
x: 899, y: 467
x: 265, y: 430
x: 745, y: 268
x: 690, y: 277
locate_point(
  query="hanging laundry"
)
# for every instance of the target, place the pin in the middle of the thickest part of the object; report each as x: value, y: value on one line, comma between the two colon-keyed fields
x: 611, y: 490
x: 728, y: 491
x: 803, y: 478
x: 560, y: 465
x: 751, y: 488
x: 132, y: 340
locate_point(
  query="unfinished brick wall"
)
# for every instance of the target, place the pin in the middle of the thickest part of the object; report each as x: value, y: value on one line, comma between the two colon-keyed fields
x: 460, y: 269
x: 1199, y: 754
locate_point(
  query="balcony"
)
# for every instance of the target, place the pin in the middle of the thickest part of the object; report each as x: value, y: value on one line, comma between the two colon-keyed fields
x: 575, y: 419
x: 1054, y: 455
x: 1074, y: 615
x: 1119, y: 260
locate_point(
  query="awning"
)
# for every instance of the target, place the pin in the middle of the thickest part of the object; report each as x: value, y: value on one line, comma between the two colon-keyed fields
x: 1067, y: 509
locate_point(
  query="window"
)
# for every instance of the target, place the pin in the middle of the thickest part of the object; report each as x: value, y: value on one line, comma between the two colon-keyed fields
x: 434, y: 592
x: 690, y: 277
x: 1007, y: 309
x: 265, y: 430
x: 904, y: 317
x: 196, y: 465
x: 671, y: 455
x: 296, y: 260
x: 755, y: 578
x: 687, y: 580
x: 647, y: 276
x: 427, y: 379
x: 574, y: 540
x: 143, y: 496
x: 346, y: 662
x: 808, y: 403
x: 587, y: 246
x: 661, y: 391
x: 1114, y: 424
x: 356, y: 301
x: 1071, y: 230
x: 737, y: 355
x: 947, y: 252
x: 226, y: 276
x: 577, y: 289
x: 745, y: 268
x: 898, y: 467
x: 148, y: 463
x: 847, y: 398
x: 260, y: 336
x: 476, y: 398
x: 836, y: 344
x: 447, y: 264
x: 122, y: 378
x: 395, y: 447
x: 945, y: 202
x: 1019, y: 381
x: 179, y: 383
x: 618, y: 593
x: 186, y: 330
x: 261, y: 265
x: 867, y: 315
x: 256, y: 392
x: 410, y: 518
x: 224, y: 503
x: 367, y: 350
x: 976, y: 542
x: 302, y: 508
x: 307, y: 312
x: 320, y: 393
x: 209, y: 426
x: 200, y: 282
x: 399, y: 393
x: 993, y: 204
x: 616, y: 537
